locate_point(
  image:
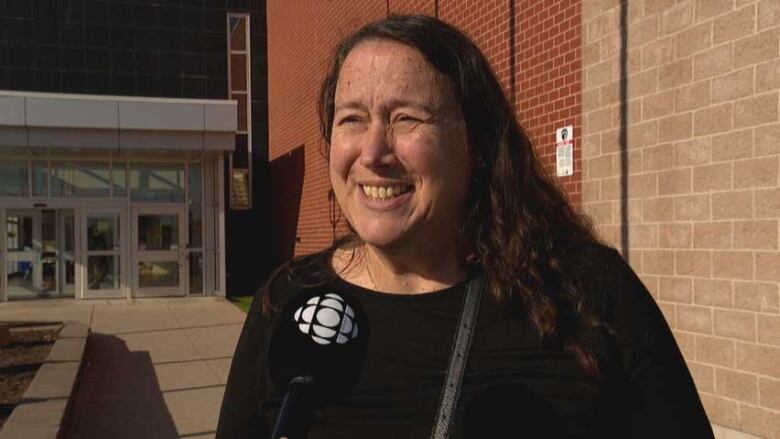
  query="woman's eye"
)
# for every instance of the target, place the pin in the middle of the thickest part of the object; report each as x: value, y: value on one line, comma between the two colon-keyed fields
x: 407, y: 119
x: 348, y: 120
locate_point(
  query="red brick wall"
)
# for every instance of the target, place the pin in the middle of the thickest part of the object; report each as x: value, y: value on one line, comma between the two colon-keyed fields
x: 549, y: 88
x: 545, y: 73
x: 301, y: 36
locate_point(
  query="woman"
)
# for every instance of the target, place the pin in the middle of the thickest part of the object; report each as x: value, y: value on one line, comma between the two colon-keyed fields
x: 439, y: 184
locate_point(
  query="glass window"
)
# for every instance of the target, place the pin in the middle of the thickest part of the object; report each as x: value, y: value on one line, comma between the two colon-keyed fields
x: 80, y: 179
x: 119, y: 179
x: 158, y: 232
x: 40, y: 179
x: 13, y: 178
x: 19, y: 232
x: 195, y: 183
x: 237, y: 33
x: 196, y: 273
x: 158, y: 274
x: 196, y: 226
x: 103, y: 272
x: 102, y: 232
x: 157, y: 183
x: 238, y: 72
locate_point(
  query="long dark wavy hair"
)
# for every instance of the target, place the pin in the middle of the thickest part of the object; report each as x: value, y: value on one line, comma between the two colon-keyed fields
x: 520, y: 226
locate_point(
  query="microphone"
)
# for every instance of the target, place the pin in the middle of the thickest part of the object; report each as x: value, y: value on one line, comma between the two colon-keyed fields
x: 315, y: 356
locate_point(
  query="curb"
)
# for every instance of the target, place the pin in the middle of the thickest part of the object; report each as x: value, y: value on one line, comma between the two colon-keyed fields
x: 42, y: 410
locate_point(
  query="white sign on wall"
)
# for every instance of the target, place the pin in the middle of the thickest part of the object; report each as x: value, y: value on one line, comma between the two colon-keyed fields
x: 564, y: 151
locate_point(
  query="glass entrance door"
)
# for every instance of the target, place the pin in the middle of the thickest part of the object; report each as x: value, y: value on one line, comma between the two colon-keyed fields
x: 40, y: 260
x: 159, y: 253
x: 23, y: 257
x: 102, y: 250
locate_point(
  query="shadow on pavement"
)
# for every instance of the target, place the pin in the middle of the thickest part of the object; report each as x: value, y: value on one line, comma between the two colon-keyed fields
x: 118, y: 395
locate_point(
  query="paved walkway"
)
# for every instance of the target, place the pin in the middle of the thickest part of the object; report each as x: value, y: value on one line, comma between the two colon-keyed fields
x: 153, y: 368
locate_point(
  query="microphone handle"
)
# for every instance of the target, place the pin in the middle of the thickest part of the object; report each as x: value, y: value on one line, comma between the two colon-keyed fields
x: 296, y: 411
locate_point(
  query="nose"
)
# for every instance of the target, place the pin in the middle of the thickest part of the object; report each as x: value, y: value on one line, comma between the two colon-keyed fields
x: 377, y: 149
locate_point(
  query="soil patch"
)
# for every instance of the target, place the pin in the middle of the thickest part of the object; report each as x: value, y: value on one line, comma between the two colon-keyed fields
x: 20, y: 360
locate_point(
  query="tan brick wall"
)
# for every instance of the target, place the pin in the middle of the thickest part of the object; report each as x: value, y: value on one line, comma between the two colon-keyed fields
x: 703, y: 193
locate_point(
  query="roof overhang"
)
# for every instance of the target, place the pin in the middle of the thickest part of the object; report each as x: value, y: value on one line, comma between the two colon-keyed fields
x: 125, y: 123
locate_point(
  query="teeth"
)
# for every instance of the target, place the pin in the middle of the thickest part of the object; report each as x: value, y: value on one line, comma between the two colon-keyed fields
x: 385, y: 192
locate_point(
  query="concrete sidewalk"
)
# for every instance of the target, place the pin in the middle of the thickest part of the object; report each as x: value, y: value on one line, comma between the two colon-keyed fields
x: 153, y: 368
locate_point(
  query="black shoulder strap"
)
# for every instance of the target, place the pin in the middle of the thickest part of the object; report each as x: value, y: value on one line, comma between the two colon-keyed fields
x: 458, y: 356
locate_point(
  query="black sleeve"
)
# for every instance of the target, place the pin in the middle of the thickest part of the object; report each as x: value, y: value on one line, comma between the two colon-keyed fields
x: 662, y: 397
x: 240, y: 415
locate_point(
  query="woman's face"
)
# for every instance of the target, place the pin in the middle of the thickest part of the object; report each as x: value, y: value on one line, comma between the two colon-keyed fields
x: 399, y: 159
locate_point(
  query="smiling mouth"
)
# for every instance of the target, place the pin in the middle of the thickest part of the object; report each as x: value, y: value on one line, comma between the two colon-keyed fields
x: 385, y: 192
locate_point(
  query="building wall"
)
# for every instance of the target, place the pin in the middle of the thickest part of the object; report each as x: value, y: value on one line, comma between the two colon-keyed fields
x: 539, y: 74
x: 702, y: 200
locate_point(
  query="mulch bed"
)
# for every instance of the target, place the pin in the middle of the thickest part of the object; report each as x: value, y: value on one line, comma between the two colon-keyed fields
x: 20, y: 360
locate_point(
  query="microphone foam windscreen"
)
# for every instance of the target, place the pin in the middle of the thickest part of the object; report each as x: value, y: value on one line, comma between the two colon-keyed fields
x: 323, y: 335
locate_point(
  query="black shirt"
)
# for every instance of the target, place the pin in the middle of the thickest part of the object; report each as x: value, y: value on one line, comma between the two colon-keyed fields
x: 515, y: 385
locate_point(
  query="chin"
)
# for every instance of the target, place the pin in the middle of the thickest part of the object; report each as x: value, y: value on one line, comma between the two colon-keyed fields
x: 382, y: 238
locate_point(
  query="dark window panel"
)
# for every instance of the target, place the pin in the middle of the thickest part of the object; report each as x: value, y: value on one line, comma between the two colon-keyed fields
x: 170, y: 86
x: 17, y: 31
x: 122, y: 84
x: 123, y: 61
x: 45, y: 32
x: 46, y: 57
x: 71, y: 58
x: 121, y: 37
x: 44, y: 9
x: 192, y: 64
x: 170, y: 40
x: 96, y: 13
x: 147, y: 85
x: 74, y: 82
x: 170, y: 16
x: 19, y: 9
x: 72, y: 34
x: 71, y: 10
x: 121, y: 14
x: 4, y: 75
x: 96, y: 82
x: 146, y: 63
x: 47, y: 80
x: 192, y: 3
x: 216, y: 20
x: 99, y: 36
x: 241, y: 154
x: 216, y: 87
x: 193, y: 87
x: 20, y: 79
x: 216, y: 65
x: 19, y: 55
x: 145, y: 39
x: 192, y: 41
x: 214, y: 42
x: 146, y: 14
x: 238, y: 5
x: 215, y: 4
x: 170, y: 63
x: 97, y: 58
x: 192, y: 18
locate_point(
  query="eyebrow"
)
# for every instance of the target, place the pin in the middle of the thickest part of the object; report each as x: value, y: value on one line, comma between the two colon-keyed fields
x: 393, y: 103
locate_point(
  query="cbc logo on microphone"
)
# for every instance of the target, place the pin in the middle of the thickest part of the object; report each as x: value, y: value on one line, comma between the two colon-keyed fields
x: 327, y: 319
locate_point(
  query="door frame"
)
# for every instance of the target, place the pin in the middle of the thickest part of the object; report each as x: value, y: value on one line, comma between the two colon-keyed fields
x: 178, y: 254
